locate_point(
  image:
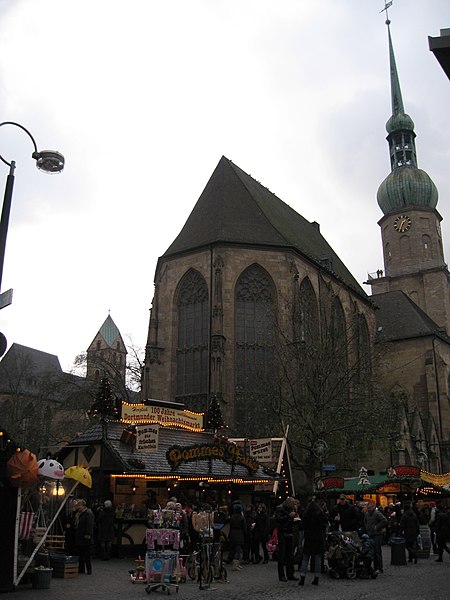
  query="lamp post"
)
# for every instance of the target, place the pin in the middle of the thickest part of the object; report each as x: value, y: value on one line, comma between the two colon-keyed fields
x: 48, y: 161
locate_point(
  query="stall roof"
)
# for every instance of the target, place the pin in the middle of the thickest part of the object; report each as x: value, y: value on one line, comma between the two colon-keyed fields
x: 156, y: 463
x: 377, y: 482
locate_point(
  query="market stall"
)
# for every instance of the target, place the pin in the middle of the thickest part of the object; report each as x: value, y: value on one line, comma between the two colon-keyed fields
x: 402, y: 481
x: 156, y: 451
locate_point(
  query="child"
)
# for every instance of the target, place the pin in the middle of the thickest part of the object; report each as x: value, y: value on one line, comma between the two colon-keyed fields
x: 367, y: 553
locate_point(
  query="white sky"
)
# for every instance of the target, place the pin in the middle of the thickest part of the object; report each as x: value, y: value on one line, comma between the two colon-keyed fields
x: 143, y: 98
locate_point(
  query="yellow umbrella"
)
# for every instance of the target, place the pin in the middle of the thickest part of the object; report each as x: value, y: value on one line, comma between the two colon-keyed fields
x: 80, y: 474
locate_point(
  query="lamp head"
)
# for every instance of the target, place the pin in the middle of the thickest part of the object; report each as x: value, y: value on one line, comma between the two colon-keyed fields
x: 49, y: 161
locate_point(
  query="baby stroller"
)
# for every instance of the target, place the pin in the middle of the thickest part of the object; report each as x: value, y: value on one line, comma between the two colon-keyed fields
x: 343, y: 557
x: 346, y: 559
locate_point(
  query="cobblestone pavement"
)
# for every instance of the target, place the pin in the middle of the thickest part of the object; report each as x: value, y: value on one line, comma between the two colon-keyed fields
x: 424, y: 581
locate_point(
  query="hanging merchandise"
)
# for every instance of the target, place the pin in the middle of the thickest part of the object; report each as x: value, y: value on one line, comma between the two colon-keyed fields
x: 80, y: 474
x: 48, y: 468
x: 26, y: 525
x: 22, y: 468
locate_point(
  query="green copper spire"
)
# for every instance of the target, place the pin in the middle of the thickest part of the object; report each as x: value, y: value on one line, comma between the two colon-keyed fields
x: 396, y: 93
x: 400, y: 126
x: 406, y: 185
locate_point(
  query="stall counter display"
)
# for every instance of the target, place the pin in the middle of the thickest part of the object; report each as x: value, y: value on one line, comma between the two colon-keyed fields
x: 162, y: 559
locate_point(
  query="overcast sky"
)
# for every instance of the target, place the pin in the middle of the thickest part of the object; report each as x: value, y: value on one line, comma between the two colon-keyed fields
x: 143, y: 98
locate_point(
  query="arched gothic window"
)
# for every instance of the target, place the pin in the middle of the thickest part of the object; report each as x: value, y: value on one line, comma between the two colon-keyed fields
x: 338, y: 333
x: 192, y: 344
x: 255, y: 301
x: 306, y: 320
x: 363, y: 349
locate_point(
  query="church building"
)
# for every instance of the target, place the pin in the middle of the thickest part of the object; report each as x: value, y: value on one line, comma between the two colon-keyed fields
x: 247, y: 270
x: 413, y: 295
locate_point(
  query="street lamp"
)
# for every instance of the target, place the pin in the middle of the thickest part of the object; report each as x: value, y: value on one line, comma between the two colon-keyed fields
x: 48, y: 161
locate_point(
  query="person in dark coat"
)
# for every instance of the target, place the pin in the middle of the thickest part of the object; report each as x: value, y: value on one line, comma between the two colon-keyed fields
x: 409, y: 526
x: 68, y: 522
x: 84, y: 536
x: 105, y: 529
x: 261, y: 534
x: 236, y: 537
x: 314, y: 525
x: 344, y: 515
x: 285, y: 515
x: 194, y: 535
x: 250, y: 518
x: 442, y: 523
x: 374, y: 523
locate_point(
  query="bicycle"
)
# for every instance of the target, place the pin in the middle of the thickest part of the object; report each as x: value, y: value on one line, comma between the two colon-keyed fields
x: 219, y: 570
x: 199, y: 565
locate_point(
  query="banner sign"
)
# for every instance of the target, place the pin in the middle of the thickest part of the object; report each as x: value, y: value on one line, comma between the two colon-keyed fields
x: 261, y: 450
x: 406, y: 471
x: 174, y: 417
x: 229, y: 453
x: 147, y: 437
x: 332, y: 482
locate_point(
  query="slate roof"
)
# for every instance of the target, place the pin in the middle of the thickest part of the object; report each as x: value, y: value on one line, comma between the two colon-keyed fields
x: 109, y: 332
x: 351, y: 485
x: 399, y: 318
x: 22, y: 366
x: 234, y: 208
x: 156, y: 463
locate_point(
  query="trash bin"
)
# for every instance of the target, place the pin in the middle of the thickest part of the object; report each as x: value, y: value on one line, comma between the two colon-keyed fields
x: 41, y: 578
x: 398, y: 554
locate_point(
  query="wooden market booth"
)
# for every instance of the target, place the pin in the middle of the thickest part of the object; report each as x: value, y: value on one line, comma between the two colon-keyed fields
x: 159, y: 450
x: 399, y: 482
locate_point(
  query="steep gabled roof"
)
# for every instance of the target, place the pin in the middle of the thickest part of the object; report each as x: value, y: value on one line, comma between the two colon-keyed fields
x: 36, y: 361
x: 399, y: 318
x: 234, y: 208
x: 109, y: 332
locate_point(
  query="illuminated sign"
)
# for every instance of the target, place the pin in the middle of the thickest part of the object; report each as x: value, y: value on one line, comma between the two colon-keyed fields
x: 229, y: 453
x: 143, y: 413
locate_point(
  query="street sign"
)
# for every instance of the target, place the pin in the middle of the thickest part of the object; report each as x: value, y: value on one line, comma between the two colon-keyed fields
x: 328, y: 467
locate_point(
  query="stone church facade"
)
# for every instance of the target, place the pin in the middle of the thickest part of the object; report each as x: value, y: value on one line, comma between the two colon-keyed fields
x: 243, y: 256
x: 210, y: 326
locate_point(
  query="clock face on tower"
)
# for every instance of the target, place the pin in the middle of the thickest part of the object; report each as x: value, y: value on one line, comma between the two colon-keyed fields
x: 402, y: 223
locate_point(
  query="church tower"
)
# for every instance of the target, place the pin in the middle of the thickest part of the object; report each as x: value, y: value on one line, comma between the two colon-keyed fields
x: 410, y: 227
x: 106, y: 355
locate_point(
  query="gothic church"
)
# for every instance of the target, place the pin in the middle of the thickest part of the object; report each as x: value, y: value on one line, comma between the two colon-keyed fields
x: 246, y: 269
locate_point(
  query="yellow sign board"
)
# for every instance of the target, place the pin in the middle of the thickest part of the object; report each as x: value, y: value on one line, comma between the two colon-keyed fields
x: 144, y: 413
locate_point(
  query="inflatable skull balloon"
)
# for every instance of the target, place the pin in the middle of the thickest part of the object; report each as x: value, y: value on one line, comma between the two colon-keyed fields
x: 48, y: 468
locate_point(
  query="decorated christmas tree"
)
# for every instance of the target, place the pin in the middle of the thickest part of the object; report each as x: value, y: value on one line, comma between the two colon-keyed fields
x: 215, y: 419
x: 105, y: 403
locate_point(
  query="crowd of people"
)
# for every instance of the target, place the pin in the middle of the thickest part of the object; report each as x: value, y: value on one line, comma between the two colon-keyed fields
x: 293, y: 535
x: 303, y: 531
